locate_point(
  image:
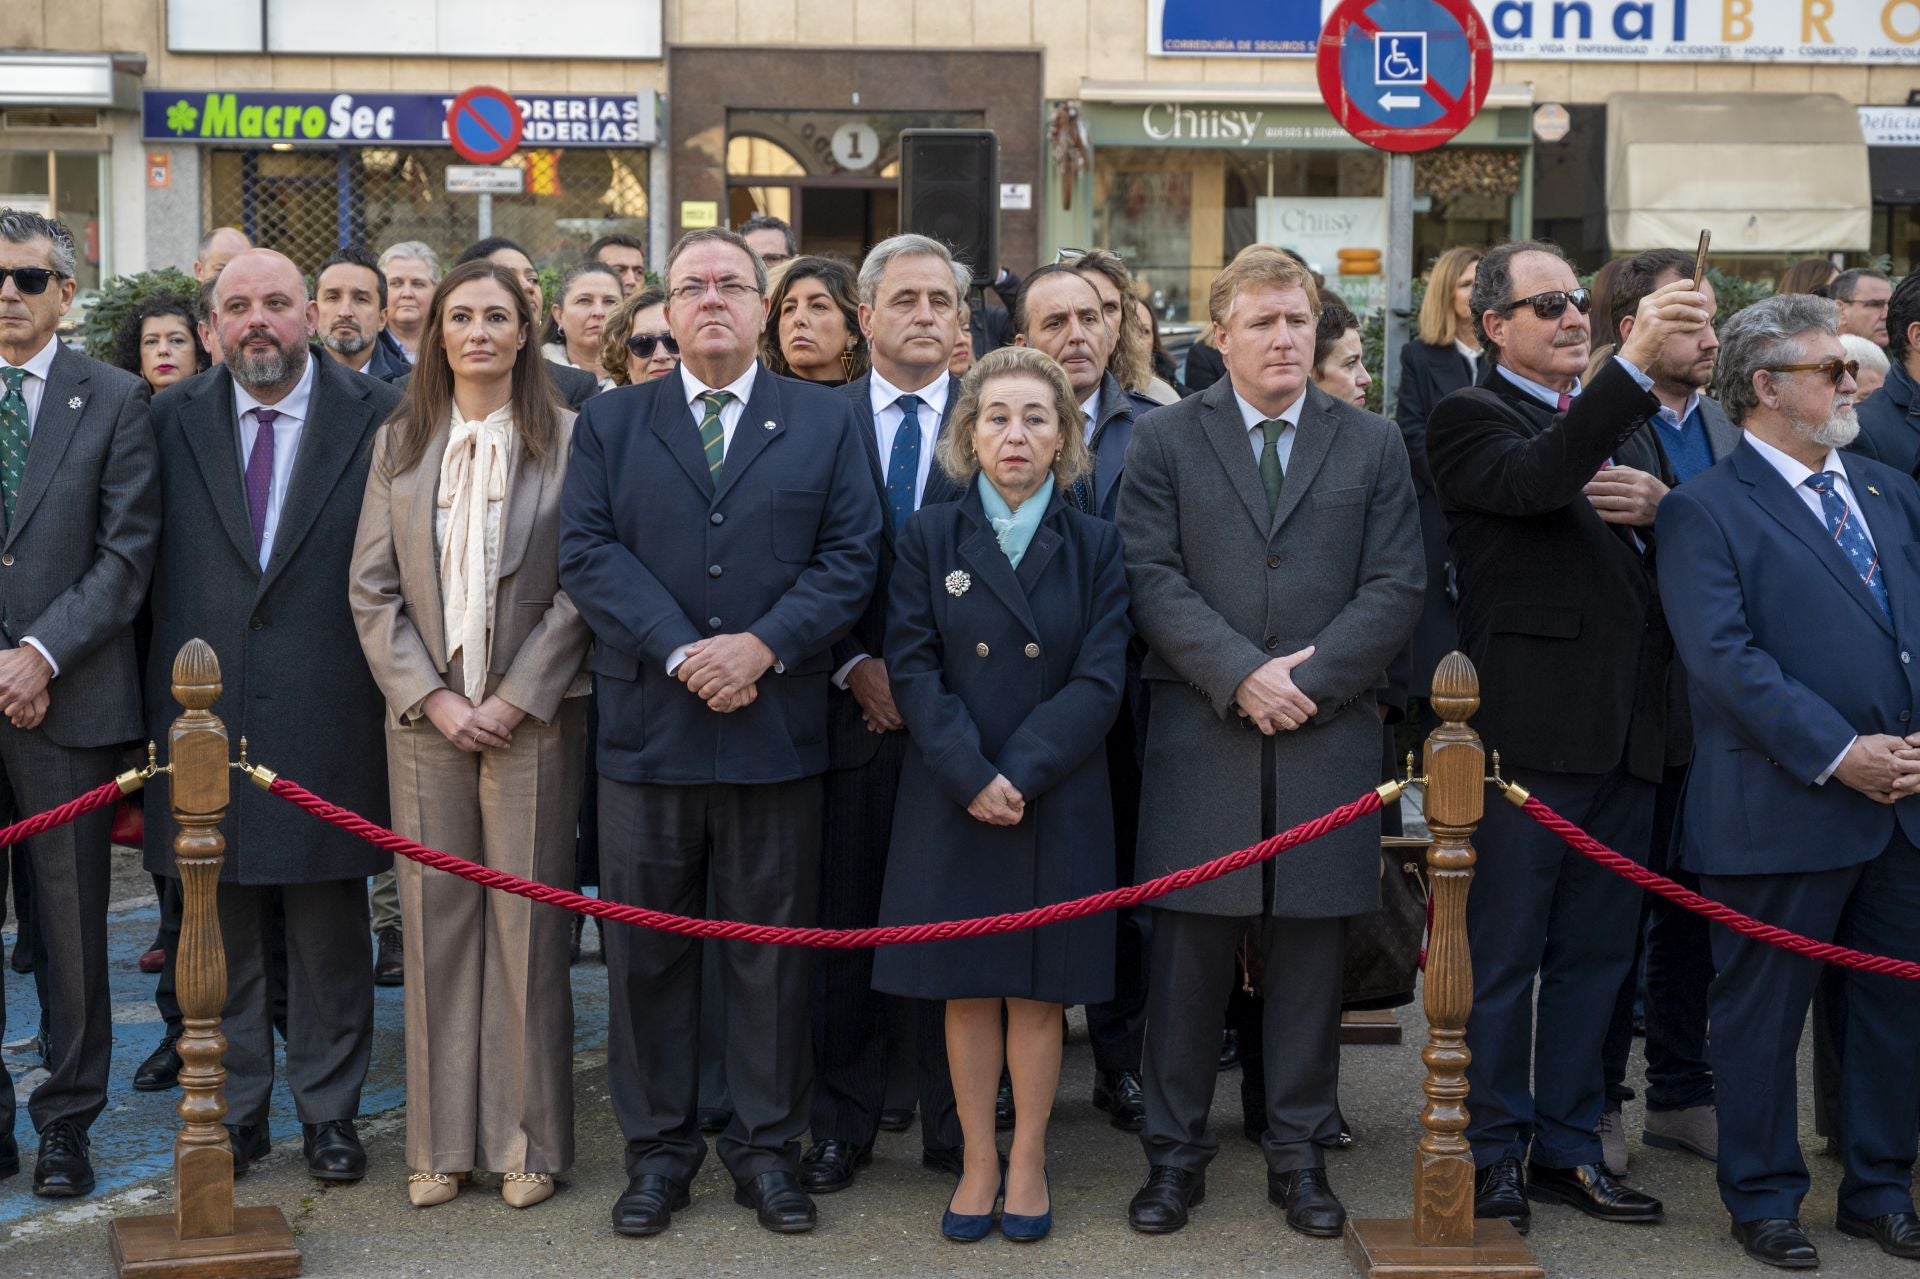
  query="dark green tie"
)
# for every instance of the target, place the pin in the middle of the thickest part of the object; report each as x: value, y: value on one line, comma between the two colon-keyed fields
x: 13, y: 436
x: 1271, y: 476
x: 713, y: 436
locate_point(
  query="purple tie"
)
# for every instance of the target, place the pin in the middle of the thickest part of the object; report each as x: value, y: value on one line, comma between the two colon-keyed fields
x: 260, y: 473
x: 1564, y: 403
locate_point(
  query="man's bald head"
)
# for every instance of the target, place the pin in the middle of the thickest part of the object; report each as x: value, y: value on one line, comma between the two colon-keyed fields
x: 265, y: 321
x: 221, y: 246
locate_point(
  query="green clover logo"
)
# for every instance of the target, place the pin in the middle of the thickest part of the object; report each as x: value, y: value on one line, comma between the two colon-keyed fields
x: 181, y: 117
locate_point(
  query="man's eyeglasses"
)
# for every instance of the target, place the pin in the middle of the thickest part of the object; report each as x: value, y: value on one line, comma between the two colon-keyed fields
x: 641, y: 346
x: 1836, y: 369
x: 729, y: 290
x: 1552, y: 305
x: 30, y: 280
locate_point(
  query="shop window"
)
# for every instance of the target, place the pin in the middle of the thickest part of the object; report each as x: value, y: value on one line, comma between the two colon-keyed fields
x: 62, y: 184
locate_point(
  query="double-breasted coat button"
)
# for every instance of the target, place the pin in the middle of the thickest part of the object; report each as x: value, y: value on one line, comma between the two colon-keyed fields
x: 1273, y: 642
x: 7, y: 559
x: 1273, y: 561
x: 716, y: 518
x: 713, y: 570
x: 1033, y: 650
x: 980, y: 649
x: 714, y: 623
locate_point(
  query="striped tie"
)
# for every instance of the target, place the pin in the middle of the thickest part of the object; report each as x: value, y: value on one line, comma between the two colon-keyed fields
x: 713, y: 436
x: 1849, y: 537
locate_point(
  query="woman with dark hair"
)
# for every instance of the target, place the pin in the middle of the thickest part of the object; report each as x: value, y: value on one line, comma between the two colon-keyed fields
x: 588, y: 294
x: 158, y: 339
x: 813, y: 322
x: 635, y: 345
x: 481, y: 657
x: 1338, y: 367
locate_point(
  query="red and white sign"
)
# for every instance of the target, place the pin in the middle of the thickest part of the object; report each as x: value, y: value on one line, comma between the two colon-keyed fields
x: 1405, y: 75
x: 484, y: 125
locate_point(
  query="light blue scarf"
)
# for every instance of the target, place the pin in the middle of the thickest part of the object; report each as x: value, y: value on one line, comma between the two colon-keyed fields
x: 1015, y: 529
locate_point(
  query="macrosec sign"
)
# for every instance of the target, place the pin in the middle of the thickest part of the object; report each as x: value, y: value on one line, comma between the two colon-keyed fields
x: 383, y: 119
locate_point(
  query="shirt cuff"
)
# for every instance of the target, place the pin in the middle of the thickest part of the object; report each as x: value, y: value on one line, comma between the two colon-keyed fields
x: 1829, y: 771
x: 840, y: 676
x: 676, y: 657
x: 1645, y: 382
x: 41, y: 649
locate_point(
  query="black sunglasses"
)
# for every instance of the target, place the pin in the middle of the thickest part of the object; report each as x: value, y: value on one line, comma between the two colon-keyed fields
x: 1836, y: 368
x: 641, y: 345
x: 1553, y: 305
x: 31, y: 280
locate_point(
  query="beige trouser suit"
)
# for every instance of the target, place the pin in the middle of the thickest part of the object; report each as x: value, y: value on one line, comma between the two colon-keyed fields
x: 489, y: 1007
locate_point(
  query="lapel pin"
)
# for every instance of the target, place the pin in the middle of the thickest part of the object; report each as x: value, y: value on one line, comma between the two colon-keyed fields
x: 768, y: 424
x: 958, y: 582
x: 74, y: 403
x: 1871, y: 489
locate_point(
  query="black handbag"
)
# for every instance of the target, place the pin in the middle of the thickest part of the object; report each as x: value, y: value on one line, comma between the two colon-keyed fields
x: 1384, y: 948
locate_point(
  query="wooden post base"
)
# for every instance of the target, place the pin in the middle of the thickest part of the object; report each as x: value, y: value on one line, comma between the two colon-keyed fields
x: 1378, y: 1026
x: 1389, y: 1250
x: 260, y: 1247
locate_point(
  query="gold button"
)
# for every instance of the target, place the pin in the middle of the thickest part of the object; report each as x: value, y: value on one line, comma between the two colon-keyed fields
x: 1033, y: 650
x: 980, y: 649
x: 7, y: 559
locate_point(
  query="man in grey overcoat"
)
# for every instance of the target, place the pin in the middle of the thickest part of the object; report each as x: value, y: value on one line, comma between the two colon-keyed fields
x: 1273, y: 550
x: 263, y: 462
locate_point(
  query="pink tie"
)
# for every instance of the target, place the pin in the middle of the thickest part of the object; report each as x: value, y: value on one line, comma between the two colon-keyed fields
x: 1563, y: 403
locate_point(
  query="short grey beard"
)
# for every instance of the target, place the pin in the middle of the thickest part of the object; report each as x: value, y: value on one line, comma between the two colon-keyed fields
x: 263, y: 372
x: 1836, y: 432
x: 348, y: 346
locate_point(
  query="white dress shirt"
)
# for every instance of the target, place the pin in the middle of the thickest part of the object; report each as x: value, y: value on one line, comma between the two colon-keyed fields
x: 286, y: 444
x: 1795, y: 473
x: 1090, y: 415
x: 33, y: 388
x: 1251, y: 418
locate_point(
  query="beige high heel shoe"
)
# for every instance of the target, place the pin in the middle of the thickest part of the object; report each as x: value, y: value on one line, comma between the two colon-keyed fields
x: 525, y: 1189
x: 425, y: 1189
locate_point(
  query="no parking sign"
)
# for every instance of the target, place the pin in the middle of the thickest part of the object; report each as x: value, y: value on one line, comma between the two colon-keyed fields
x: 484, y: 125
x: 1405, y: 75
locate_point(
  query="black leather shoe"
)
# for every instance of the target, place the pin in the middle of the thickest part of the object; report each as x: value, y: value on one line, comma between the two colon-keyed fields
x: 249, y: 1142
x: 1160, y: 1207
x: 1003, y: 1106
x: 63, y: 1170
x: 9, y: 1155
x: 896, y: 1119
x: 648, y: 1206
x: 830, y: 1165
x: 1118, y: 1093
x: 778, y: 1201
x: 948, y: 1159
x: 161, y: 1070
x: 389, y: 966
x: 1307, y: 1195
x: 1229, y: 1049
x: 333, y: 1150
x: 1777, y: 1241
x: 1498, y: 1192
x: 712, y: 1119
x: 1897, y: 1233
x: 1594, y: 1191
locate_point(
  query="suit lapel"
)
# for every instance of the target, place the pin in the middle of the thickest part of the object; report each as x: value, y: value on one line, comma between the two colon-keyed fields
x: 419, y: 491
x: 1312, y: 440
x: 674, y: 424
x: 1046, y: 540
x: 981, y: 550
x: 214, y: 436
x: 1228, y: 436
x: 1785, y: 506
x: 61, y: 403
x: 760, y: 425
x: 338, y: 420
x: 527, y: 486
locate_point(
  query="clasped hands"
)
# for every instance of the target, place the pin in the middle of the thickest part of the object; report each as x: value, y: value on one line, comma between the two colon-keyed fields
x: 487, y: 726
x: 1882, y: 767
x: 1269, y: 698
x: 999, y: 802
x: 23, y: 686
x: 724, y: 670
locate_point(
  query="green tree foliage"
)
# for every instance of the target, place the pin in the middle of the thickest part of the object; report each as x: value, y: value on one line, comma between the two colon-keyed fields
x: 122, y: 294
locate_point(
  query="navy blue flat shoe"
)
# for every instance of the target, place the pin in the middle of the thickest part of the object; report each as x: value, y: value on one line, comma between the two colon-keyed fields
x: 966, y: 1227
x: 1029, y: 1229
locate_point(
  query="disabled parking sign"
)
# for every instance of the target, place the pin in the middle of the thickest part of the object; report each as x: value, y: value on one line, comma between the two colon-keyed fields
x: 1405, y: 75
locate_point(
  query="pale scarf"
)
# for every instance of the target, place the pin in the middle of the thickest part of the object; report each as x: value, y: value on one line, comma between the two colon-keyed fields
x: 466, y: 527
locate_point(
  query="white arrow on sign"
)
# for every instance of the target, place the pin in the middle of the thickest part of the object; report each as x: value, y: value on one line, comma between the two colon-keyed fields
x: 1389, y: 101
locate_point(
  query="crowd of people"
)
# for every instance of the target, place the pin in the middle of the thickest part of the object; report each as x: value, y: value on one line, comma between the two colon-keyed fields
x: 789, y: 589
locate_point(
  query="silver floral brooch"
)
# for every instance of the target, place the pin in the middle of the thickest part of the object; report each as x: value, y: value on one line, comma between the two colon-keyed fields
x: 74, y: 403
x: 958, y: 582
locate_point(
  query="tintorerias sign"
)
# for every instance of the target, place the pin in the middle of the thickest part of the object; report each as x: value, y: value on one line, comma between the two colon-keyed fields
x: 375, y: 119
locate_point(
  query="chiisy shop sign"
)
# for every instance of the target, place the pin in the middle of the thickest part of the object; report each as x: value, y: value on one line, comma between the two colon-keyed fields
x: 378, y: 119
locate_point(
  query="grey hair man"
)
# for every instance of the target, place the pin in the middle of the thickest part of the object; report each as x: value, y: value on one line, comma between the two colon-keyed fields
x: 411, y: 269
x: 1862, y: 295
x: 75, y: 573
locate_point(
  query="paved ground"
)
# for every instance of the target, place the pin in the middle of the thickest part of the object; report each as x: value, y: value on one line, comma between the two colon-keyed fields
x: 885, y: 1225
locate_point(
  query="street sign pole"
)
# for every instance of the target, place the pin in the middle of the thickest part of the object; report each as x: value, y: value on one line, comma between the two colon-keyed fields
x: 486, y: 216
x: 484, y: 125
x: 1400, y: 268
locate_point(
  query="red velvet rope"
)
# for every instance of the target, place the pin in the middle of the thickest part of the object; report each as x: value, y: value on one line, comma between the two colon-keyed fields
x: 99, y: 797
x: 1745, y: 925
x: 825, y: 938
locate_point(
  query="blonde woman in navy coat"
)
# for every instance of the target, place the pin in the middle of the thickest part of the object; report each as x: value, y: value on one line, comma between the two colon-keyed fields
x: 1006, y: 644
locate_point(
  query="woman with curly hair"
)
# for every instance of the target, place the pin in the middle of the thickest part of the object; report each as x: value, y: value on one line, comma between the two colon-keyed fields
x: 635, y: 345
x: 157, y: 340
x: 813, y: 322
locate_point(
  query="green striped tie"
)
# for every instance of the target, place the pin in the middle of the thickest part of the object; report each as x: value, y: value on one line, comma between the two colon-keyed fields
x: 713, y: 436
x: 13, y: 436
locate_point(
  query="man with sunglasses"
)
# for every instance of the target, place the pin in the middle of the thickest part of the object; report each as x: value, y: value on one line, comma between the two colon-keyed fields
x: 1789, y: 575
x: 1550, y: 490
x: 81, y: 510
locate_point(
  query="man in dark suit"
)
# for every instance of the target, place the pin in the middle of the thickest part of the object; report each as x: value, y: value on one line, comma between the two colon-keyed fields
x: 720, y: 533
x: 577, y: 386
x: 1060, y: 310
x: 909, y: 308
x: 1694, y: 433
x: 1890, y: 417
x: 1549, y: 490
x: 263, y: 461
x: 1789, y: 576
x: 1273, y: 550
x: 350, y: 291
x: 82, y: 514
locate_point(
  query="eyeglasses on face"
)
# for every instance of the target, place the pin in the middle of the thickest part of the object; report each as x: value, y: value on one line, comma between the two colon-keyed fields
x: 1836, y: 369
x: 641, y: 346
x: 729, y: 290
x: 30, y: 280
x: 1554, y: 303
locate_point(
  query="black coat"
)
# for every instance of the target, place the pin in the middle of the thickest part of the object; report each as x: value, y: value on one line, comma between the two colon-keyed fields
x: 1890, y: 423
x: 295, y: 682
x: 1558, y: 610
x: 1018, y: 673
x: 1428, y: 374
x: 1204, y: 367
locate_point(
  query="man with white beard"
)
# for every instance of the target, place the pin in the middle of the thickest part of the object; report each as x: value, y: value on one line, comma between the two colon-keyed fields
x: 1798, y: 636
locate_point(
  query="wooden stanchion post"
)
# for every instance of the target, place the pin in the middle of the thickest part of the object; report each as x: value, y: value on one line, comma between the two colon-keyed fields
x: 207, y: 1237
x: 1444, y: 1240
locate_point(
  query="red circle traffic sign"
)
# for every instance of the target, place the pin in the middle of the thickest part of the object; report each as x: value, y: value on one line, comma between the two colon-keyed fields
x: 484, y: 125
x: 1405, y: 75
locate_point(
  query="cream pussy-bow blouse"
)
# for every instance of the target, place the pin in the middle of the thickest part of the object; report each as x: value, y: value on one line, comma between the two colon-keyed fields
x: 474, y: 474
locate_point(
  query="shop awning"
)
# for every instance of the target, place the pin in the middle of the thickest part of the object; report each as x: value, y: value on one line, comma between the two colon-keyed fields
x: 32, y: 78
x: 1765, y: 172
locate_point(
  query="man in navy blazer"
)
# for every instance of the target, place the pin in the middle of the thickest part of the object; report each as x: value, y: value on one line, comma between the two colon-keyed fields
x: 719, y: 533
x: 1792, y: 588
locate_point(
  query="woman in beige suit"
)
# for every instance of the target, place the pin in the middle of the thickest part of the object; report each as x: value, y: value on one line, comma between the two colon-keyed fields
x: 481, y: 658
